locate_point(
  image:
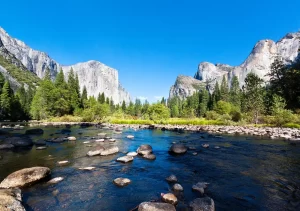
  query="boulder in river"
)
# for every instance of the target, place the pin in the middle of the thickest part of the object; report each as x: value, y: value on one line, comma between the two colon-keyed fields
x: 130, y: 136
x: 109, y: 151
x: 144, y: 149
x: 121, y: 182
x: 205, y: 145
x: 172, y: 178
x: 25, y: 177
x: 19, y: 141
x: 40, y: 143
x: 58, y: 140
x: 149, y: 156
x: 72, y: 138
x: 177, y: 187
x: 169, y: 198
x: 95, y: 152
x: 35, y: 131
x: 156, y: 206
x: 55, y: 180
x: 202, y: 204
x: 6, y: 146
x: 200, y: 187
x: 89, y: 168
x: 178, y: 149
x: 10, y: 199
x: 133, y: 154
x: 125, y: 159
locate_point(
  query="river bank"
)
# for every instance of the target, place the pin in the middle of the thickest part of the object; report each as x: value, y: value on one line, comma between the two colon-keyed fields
x: 290, y: 134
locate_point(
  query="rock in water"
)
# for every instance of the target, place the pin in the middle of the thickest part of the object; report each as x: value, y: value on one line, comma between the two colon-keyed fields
x: 25, y: 177
x: 172, y: 178
x: 202, y: 204
x: 95, y: 152
x: 205, y: 145
x: 133, y: 154
x: 149, y: 156
x: 144, y: 149
x: 178, y: 149
x: 130, y: 136
x: 6, y: 146
x: 156, y: 206
x: 109, y: 151
x: 200, y: 187
x: 89, y: 168
x: 55, y: 180
x: 10, y: 199
x: 177, y: 187
x: 125, y: 159
x: 22, y: 141
x: 41, y: 148
x: 36, y: 131
x: 71, y: 138
x: 121, y: 182
x: 169, y: 198
x: 63, y: 162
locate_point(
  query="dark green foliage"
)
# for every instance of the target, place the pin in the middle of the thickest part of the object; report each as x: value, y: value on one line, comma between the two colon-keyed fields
x: 74, y: 89
x: 235, y: 93
x: 6, y: 100
x: 138, y: 107
x: 123, y: 106
x: 224, y: 90
x: 107, y: 101
x: 84, y: 94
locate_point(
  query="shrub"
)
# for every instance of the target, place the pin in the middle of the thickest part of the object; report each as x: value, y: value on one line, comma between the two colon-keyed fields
x: 223, y: 107
x: 212, y: 115
x: 236, y: 116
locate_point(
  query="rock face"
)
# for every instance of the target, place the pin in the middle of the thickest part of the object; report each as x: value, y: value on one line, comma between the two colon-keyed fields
x: 155, y: 206
x: 259, y: 61
x: 10, y: 199
x: 95, y: 76
x: 25, y: 177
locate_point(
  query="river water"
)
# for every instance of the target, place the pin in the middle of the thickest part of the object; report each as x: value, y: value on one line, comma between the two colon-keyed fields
x: 245, y: 173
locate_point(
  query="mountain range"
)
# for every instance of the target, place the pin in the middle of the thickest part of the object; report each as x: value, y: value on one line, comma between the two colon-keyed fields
x: 259, y: 61
x: 94, y: 75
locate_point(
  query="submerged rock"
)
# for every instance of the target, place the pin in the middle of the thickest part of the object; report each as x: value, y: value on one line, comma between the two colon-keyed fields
x: 40, y: 143
x: 178, y: 149
x: 121, y: 182
x: 58, y: 140
x: 125, y: 159
x: 200, y: 187
x: 55, y: 180
x: 35, y: 131
x: 156, y: 206
x: 41, y: 148
x: 172, y: 178
x: 10, y: 199
x: 144, y: 149
x: 6, y: 146
x: 20, y: 141
x: 202, y: 204
x: 169, y: 198
x: 25, y: 177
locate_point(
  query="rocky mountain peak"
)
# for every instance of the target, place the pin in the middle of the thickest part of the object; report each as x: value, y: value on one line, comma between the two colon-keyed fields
x: 94, y: 75
x: 259, y: 61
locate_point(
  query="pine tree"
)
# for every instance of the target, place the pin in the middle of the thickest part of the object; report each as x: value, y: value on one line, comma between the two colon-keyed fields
x: 235, y: 93
x: 47, y: 75
x: 73, y: 88
x: 102, y: 98
x: 123, y: 106
x: 138, y: 107
x: 107, y: 101
x: 2, y: 81
x: 6, y: 100
x: 204, y: 99
x: 84, y: 94
x: 224, y: 91
x: 253, y: 96
x: 60, y: 79
x: 112, y: 106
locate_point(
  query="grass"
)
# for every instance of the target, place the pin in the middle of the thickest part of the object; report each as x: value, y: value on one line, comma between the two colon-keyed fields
x: 22, y: 76
x: 66, y: 118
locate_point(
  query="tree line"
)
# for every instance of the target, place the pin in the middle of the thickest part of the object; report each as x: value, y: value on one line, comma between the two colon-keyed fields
x: 275, y: 102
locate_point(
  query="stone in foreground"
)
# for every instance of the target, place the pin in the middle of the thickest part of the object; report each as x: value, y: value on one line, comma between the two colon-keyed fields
x: 149, y: 157
x: 200, y: 187
x: 156, y: 206
x: 125, y: 159
x: 202, y: 204
x: 55, y: 180
x: 133, y: 154
x: 169, y: 198
x: 10, y: 199
x: 178, y: 149
x: 122, y: 182
x: 144, y: 149
x: 25, y: 177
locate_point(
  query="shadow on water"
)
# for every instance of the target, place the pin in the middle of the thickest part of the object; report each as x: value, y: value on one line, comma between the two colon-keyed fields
x: 245, y: 173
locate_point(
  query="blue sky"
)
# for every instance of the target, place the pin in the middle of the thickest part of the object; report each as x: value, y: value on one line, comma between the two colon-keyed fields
x: 149, y: 42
